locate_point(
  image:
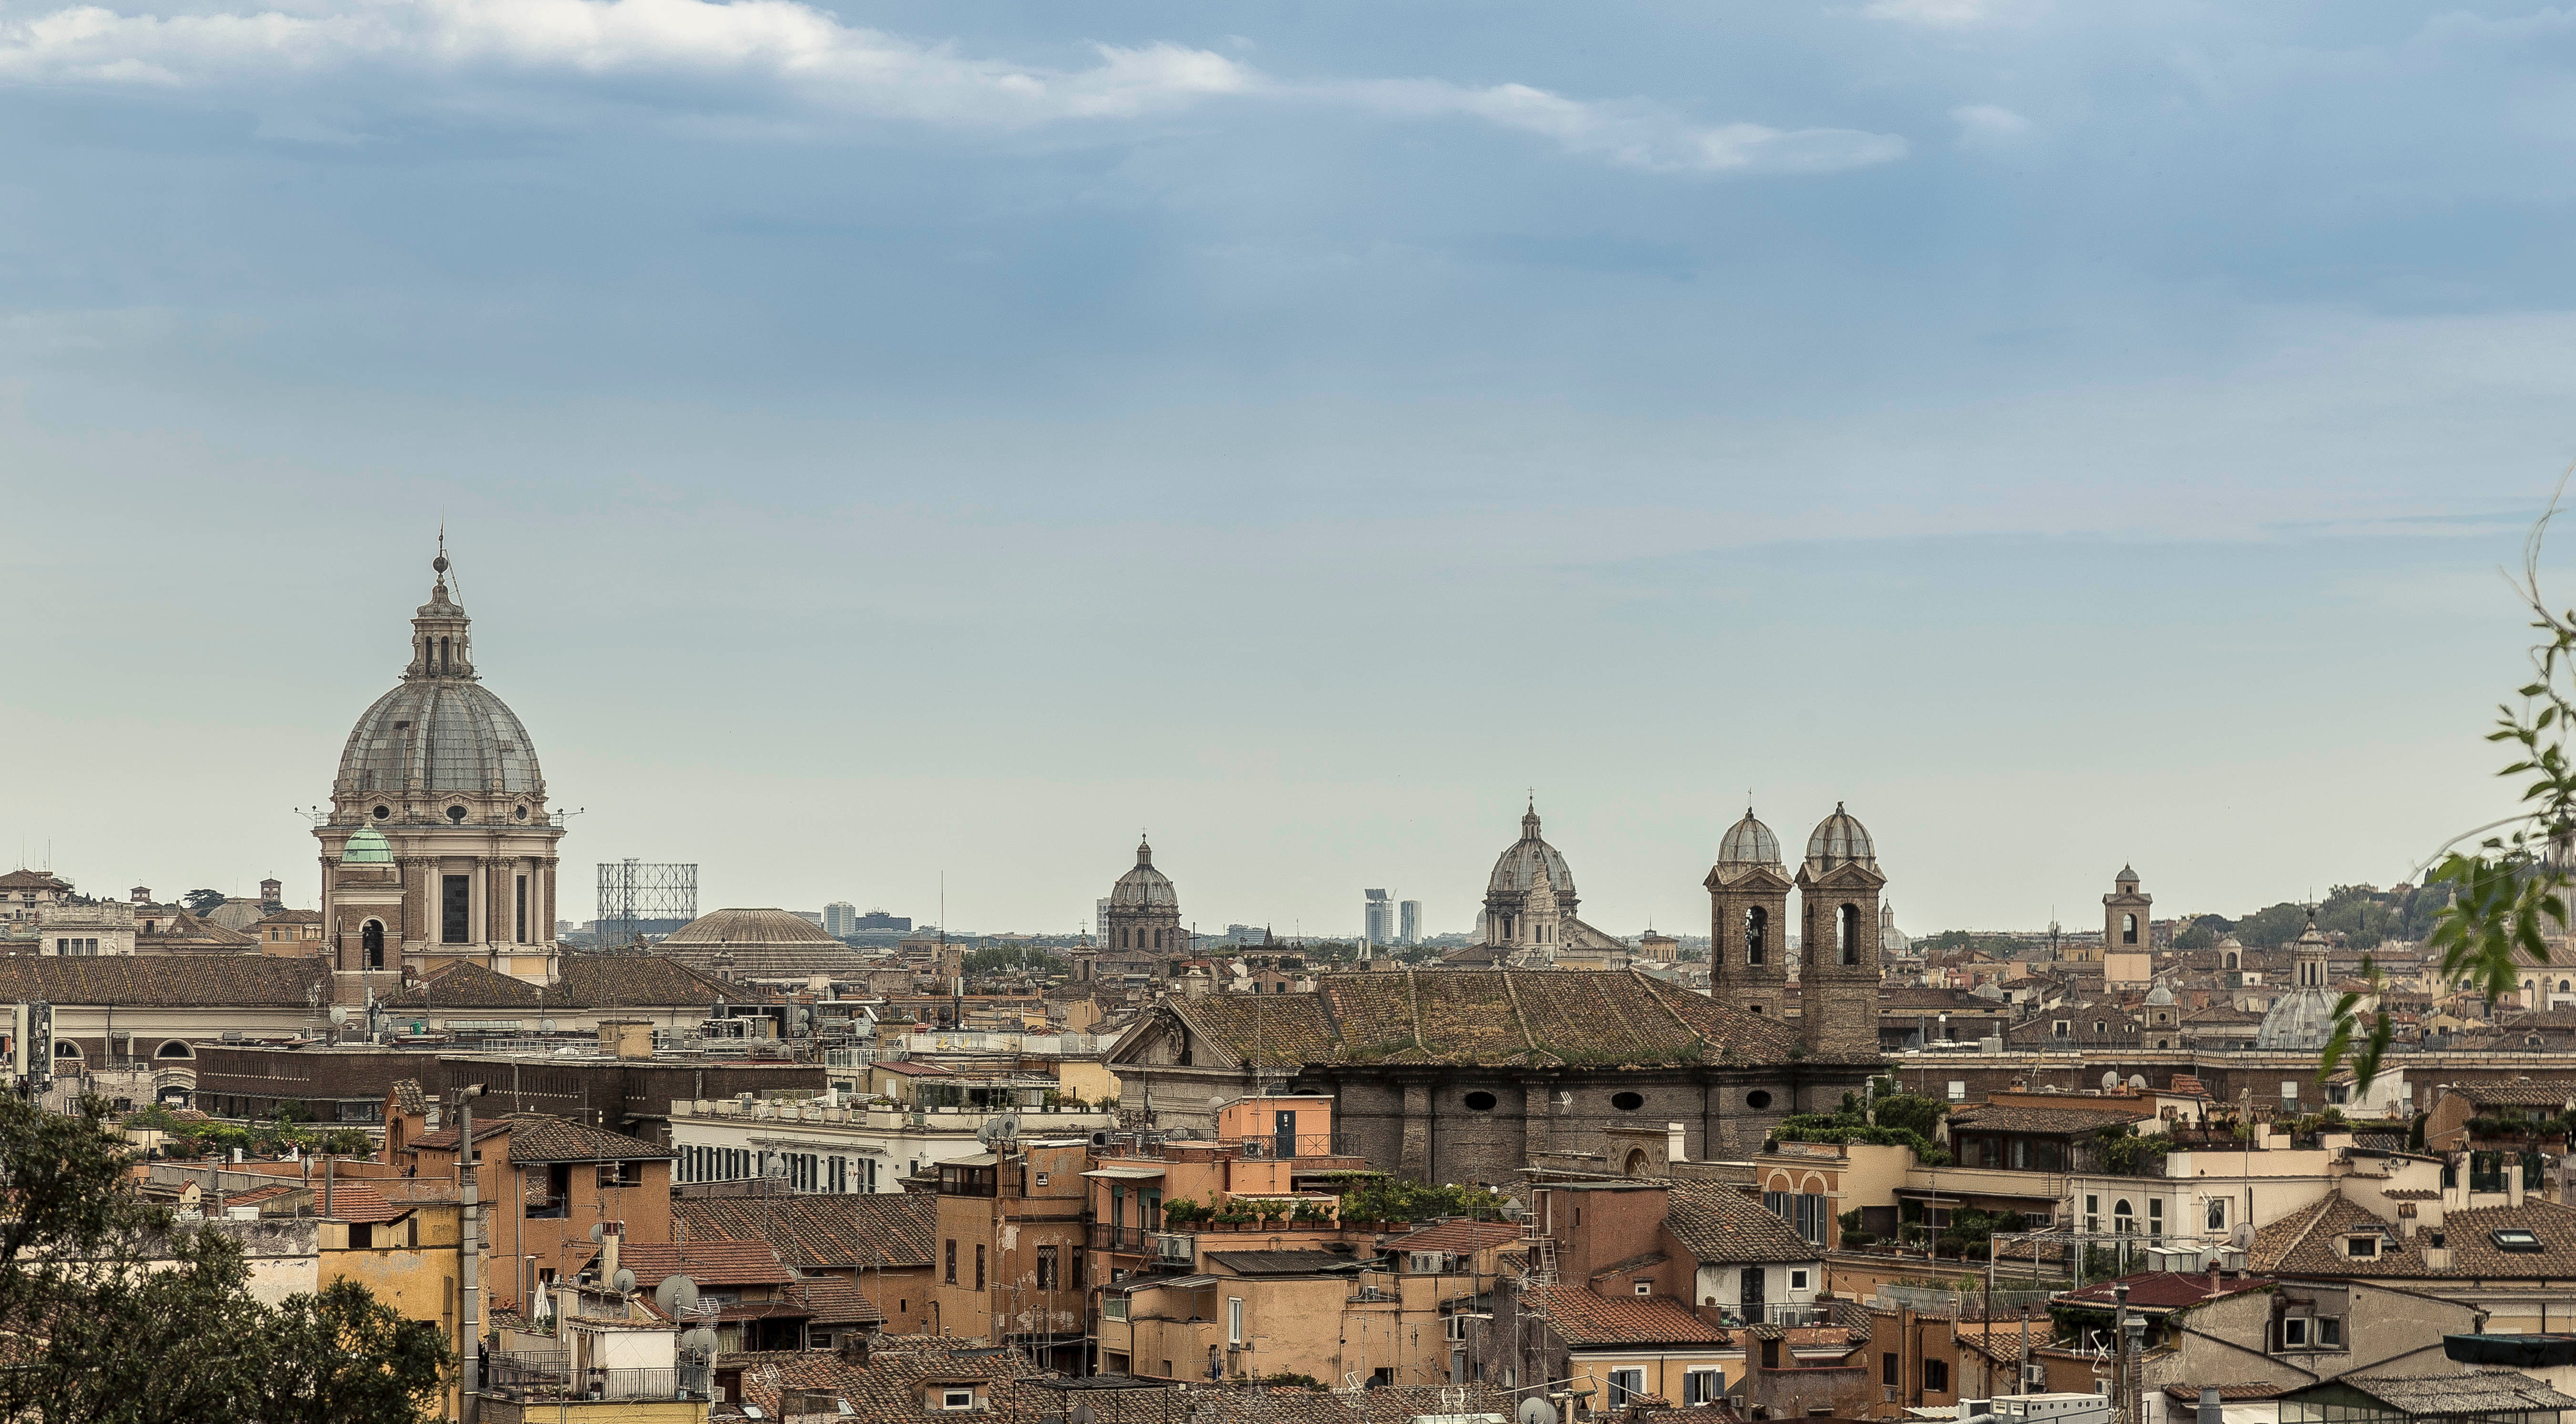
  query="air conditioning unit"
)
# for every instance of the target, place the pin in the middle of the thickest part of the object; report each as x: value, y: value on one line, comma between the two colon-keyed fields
x: 2033, y: 1376
x: 1182, y: 1249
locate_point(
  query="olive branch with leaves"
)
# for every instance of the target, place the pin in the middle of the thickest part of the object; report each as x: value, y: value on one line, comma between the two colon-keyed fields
x: 2508, y: 895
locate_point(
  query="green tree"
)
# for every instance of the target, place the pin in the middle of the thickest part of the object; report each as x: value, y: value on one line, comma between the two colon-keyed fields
x: 2506, y: 897
x: 200, y: 901
x: 118, y: 1314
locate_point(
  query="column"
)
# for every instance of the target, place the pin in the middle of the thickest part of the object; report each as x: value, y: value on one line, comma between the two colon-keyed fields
x: 1414, y: 1156
x: 419, y: 925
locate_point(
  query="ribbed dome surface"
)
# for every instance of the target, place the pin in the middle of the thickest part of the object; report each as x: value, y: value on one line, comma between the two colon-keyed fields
x: 1528, y: 861
x: 1839, y: 840
x: 448, y: 733
x: 1749, y: 842
x: 747, y: 927
x: 1144, y: 888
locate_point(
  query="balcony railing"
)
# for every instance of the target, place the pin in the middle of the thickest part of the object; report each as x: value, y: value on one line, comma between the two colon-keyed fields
x: 1278, y: 1146
x: 543, y: 1375
x: 1135, y: 1240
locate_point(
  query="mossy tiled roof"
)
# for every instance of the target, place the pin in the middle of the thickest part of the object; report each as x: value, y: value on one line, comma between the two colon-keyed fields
x: 1498, y: 1018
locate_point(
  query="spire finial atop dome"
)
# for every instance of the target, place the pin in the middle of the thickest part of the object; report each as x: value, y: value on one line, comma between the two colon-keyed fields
x: 1529, y: 819
x: 1144, y: 850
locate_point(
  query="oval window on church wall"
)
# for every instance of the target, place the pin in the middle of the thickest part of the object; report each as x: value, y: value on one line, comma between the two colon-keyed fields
x: 1757, y: 1100
x: 1480, y: 1101
x: 1627, y: 1102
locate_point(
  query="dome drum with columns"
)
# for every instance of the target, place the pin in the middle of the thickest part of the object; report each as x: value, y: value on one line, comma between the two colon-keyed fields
x: 1144, y: 911
x: 438, y: 846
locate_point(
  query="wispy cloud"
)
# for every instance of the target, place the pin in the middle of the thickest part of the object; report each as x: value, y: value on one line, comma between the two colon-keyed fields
x: 1988, y: 124
x: 1947, y: 14
x: 797, y: 54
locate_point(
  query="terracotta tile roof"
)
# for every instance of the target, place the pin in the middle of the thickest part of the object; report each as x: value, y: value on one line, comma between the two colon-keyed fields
x: 838, y: 1302
x: 1582, y: 1317
x: 1631, y: 1264
x: 255, y: 1195
x: 408, y: 1096
x: 357, y: 1200
x: 1457, y: 1237
x: 32, y: 880
x: 165, y: 981
x: 2481, y: 1392
x: 709, y: 1263
x: 537, y: 1137
x: 2545, y: 1093
x: 1513, y: 1017
x: 195, y: 932
x: 1721, y: 1225
x: 2070, y: 1120
x: 590, y: 981
x: 2188, y: 1393
x: 2308, y: 1242
x: 890, y: 1229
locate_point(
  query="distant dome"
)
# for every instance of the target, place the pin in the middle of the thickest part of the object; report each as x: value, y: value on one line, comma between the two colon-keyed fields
x: 1527, y: 862
x: 1747, y: 843
x: 367, y: 847
x: 1839, y: 840
x: 2300, y: 1021
x: 1144, y: 888
x: 2162, y: 995
x: 747, y: 927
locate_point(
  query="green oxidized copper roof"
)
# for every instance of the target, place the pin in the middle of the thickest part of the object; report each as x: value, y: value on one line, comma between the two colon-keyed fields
x: 367, y: 847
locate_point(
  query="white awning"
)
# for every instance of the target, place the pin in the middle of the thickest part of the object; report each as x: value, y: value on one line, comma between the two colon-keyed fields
x: 1126, y: 1173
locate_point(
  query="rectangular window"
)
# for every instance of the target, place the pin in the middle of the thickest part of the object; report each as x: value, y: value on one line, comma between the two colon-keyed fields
x: 1046, y: 1268
x: 1887, y: 1368
x: 1797, y: 1280
x: 1644, y: 1287
x: 1113, y: 1307
x: 952, y: 1264
x: 1624, y: 1383
x: 2294, y: 1333
x: 2215, y: 1218
x: 521, y: 937
x: 1703, y: 1387
x: 2329, y: 1332
x: 1958, y: 1090
x: 979, y: 1265
x: 2156, y: 1218
x: 1234, y: 1320
x: 455, y: 908
x: 1936, y: 1377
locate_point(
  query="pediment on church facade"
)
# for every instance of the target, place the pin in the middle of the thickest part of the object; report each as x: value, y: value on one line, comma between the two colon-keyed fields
x: 1747, y: 877
x: 1851, y: 875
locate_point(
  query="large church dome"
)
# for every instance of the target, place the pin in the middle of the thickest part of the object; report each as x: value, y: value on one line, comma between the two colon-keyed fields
x: 747, y: 927
x: 1144, y: 888
x: 1529, y: 861
x: 439, y: 731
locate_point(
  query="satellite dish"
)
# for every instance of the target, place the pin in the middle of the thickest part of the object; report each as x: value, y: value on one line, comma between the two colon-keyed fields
x: 675, y: 1295
x: 994, y: 1133
x: 598, y: 1229
x: 1082, y: 1414
x: 777, y: 1166
x: 623, y: 1282
x: 339, y: 1015
x: 545, y: 1025
x: 702, y: 1340
x: 1535, y: 1410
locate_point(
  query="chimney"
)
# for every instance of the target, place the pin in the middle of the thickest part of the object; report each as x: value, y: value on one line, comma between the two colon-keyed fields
x: 2211, y: 1411
x: 1676, y: 1143
x: 607, y: 1257
x: 852, y: 1346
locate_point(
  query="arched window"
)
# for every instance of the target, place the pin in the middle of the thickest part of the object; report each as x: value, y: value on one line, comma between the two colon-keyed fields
x: 2231, y: 959
x: 2122, y: 1220
x: 372, y: 938
x: 173, y: 1048
x: 2128, y: 929
x: 1757, y: 931
x: 1847, y: 933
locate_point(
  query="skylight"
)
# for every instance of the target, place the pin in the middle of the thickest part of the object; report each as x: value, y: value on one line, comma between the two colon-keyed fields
x: 2516, y: 1238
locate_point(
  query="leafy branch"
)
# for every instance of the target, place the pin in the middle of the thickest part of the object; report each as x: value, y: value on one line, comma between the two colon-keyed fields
x: 2509, y: 894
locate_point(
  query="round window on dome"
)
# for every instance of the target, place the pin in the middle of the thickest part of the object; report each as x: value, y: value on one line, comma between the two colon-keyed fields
x: 383, y: 811
x: 456, y: 813
x: 523, y: 813
x: 1627, y: 1102
x: 1480, y: 1101
x: 1757, y: 1100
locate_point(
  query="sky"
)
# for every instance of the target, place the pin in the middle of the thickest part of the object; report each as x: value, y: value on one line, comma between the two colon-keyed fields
x: 918, y: 444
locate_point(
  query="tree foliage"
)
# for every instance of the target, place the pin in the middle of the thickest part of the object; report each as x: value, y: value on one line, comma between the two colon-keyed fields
x: 2506, y: 896
x: 117, y: 1314
x: 198, y: 902
x: 1904, y: 1120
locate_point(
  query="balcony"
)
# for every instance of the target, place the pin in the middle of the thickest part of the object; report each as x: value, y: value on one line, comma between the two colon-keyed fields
x: 1324, y: 1149
x: 541, y: 1376
x: 1133, y: 1240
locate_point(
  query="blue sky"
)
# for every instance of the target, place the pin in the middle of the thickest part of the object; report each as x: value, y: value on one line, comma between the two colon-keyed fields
x: 894, y: 439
